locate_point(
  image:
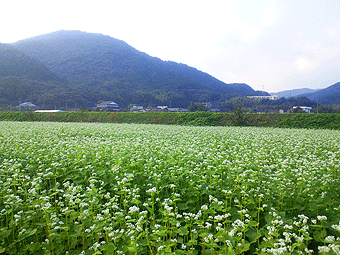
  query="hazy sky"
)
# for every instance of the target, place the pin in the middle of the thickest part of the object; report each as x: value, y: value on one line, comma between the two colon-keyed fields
x: 272, y: 45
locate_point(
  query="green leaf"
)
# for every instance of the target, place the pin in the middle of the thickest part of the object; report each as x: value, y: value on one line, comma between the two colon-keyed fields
x: 182, y: 206
x: 132, y: 249
x: 253, y: 223
x: 182, y: 231
x: 245, y: 247
x: 230, y: 251
x: 4, y: 232
x: 252, y: 235
x: 317, y: 236
x: 26, y: 234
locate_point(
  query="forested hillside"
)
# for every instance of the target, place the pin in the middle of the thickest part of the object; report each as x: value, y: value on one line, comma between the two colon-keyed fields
x: 104, y: 68
x: 293, y: 92
x: 327, y: 96
x: 266, y: 105
x: 78, y: 69
x: 23, y: 78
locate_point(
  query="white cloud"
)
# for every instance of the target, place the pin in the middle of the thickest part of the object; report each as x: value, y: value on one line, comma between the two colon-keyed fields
x: 304, y: 64
x: 261, y: 67
x: 250, y: 33
x: 233, y: 78
x: 272, y: 43
x: 333, y: 33
x: 268, y: 18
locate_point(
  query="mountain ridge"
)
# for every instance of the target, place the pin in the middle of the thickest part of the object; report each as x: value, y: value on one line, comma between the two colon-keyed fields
x: 16, y: 63
x: 85, y: 68
x: 293, y: 92
x: 23, y: 78
x: 113, y: 70
x: 326, y: 96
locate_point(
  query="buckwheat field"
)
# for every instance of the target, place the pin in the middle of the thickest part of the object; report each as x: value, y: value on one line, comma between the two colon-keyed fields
x: 76, y: 188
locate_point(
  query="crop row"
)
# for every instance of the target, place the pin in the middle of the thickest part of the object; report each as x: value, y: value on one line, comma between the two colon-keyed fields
x: 80, y: 188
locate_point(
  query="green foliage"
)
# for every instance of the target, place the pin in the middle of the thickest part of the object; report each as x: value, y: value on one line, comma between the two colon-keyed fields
x: 94, y: 188
x: 239, y: 114
x: 265, y: 105
x: 23, y: 79
x: 14, y: 63
x: 315, y: 121
x: 301, y: 120
x: 327, y: 96
x: 194, y: 107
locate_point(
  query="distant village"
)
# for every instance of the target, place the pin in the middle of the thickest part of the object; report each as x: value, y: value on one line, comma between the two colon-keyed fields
x: 110, y: 106
x: 107, y: 106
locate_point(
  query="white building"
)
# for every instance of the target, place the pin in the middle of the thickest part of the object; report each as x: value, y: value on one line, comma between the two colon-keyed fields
x: 108, y: 106
x: 49, y: 111
x: 264, y: 97
x: 304, y: 108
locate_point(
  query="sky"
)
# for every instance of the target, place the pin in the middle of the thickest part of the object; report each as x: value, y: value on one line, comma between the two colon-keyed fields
x: 271, y: 45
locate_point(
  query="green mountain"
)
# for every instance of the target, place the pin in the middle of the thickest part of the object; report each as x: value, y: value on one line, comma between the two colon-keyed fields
x: 23, y: 78
x: 327, y: 96
x: 14, y: 63
x: 293, y: 92
x: 103, y: 68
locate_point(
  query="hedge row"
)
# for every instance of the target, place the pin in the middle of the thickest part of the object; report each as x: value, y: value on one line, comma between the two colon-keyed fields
x: 299, y: 120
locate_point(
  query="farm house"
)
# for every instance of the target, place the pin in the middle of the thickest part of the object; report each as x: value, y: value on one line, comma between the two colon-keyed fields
x: 108, y: 106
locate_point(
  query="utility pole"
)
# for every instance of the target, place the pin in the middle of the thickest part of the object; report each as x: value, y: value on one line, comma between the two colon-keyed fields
x: 20, y: 104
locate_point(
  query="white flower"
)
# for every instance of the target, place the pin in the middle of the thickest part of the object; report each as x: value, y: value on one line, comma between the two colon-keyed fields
x: 336, y: 227
x: 133, y: 209
x: 304, y: 218
x: 161, y: 248
x: 151, y: 190
x: 324, y: 248
x: 106, y: 211
x: 46, y: 206
x: 100, y: 217
x: 204, y: 207
x: 95, y: 246
x: 330, y: 239
x: 321, y: 217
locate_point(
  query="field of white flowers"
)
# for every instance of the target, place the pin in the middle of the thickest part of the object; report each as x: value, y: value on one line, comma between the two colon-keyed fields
x: 69, y: 188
